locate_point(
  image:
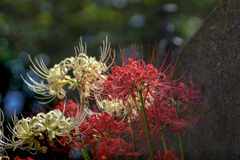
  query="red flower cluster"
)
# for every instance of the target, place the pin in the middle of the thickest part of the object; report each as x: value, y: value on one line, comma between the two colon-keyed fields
x: 182, y: 94
x: 100, y: 132
x: 160, y: 116
x: 112, y: 148
x: 179, y: 108
x: 70, y: 109
x: 168, y: 156
x: 99, y: 126
x: 133, y: 77
x: 171, y: 101
x: 169, y: 104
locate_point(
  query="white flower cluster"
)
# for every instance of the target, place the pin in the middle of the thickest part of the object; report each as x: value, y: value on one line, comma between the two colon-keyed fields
x: 112, y: 107
x: 27, y: 132
x: 84, y: 70
x: 116, y: 107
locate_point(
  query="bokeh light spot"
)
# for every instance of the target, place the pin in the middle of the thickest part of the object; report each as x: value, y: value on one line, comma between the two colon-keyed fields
x: 137, y: 21
x: 177, y: 41
x: 119, y: 3
x: 13, y: 100
x: 3, y: 44
x: 170, y: 8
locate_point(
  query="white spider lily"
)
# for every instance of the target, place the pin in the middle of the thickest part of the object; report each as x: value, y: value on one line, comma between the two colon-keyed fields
x: 115, y: 106
x: 83, y: 63
x: 84, y: 69
x: 55, y: 77
x: 28, y: 131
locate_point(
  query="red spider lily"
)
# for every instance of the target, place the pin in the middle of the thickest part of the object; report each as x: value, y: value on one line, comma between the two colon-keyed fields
x: 161, y: 116
x: 153, y: 131
x: 100, y: 132
x: 187, y: 95
x: 188, y: 103
x: 112, y: 148
x: 100, y: 127
x: 168, y: 156
x: 70, y: 109
x: 104, y: 122
x: 135, y: 75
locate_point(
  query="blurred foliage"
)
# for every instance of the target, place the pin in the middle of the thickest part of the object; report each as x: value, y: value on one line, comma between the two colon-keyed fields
x: 54, y: 26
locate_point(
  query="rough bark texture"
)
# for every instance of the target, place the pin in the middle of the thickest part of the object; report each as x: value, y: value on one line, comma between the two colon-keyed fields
x: 214, y: 53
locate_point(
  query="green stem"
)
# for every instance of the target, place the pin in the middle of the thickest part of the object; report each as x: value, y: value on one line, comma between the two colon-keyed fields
x: 180, y: 138
x: 180, y: 144
x: 84, y: 153
x: 145, y: 125
x: 164, y: 142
